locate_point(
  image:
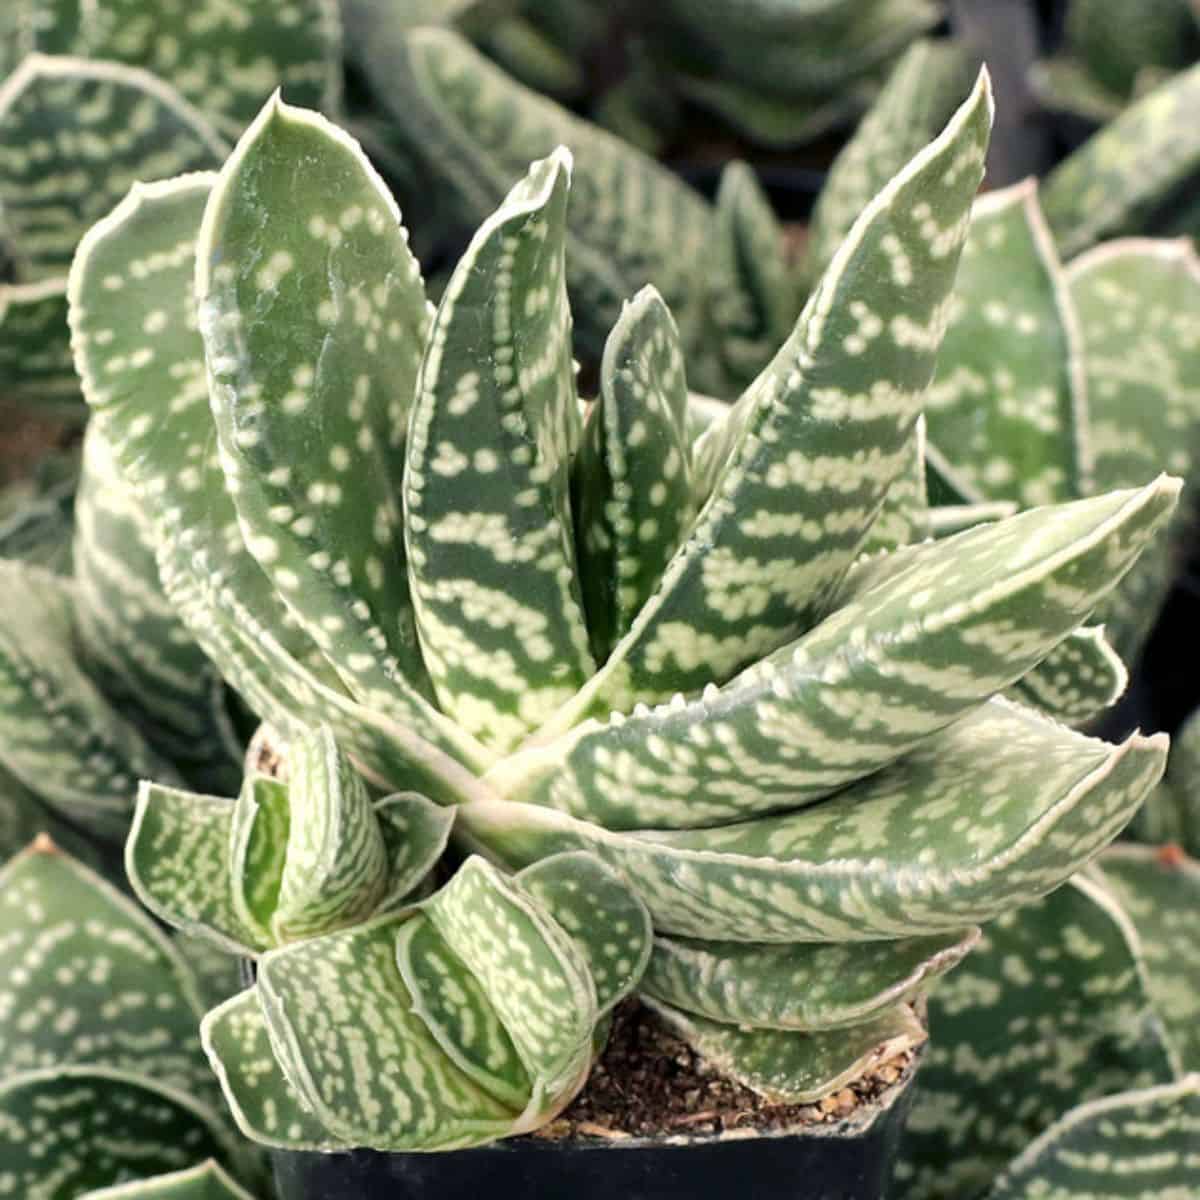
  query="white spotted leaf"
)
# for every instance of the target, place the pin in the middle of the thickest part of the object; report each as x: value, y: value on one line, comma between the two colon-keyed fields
x: 208, y: 1181
x: 35, y: 351
x: 1081, y: 677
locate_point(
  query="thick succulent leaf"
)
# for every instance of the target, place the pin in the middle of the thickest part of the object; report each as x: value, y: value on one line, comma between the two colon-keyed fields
x: 820, y: 435
x: 178, y: 862
x: 918, y: 638
x: 314, y: 318
x: 97, y: 127
x: 337, y: 863
x: 206, y: 1182
x: 1063, y: 84
x: 1051, y: 1010
x: 396, y: 1090
x: 35, y: 350
x: 904, y: 517
x: 1136, y: 1145
x: 415, y: 833
x: 859, y: 867
x: 1139, y: 308
x: 218, y: 975
x: 754, y: 296
x: 89, y: 978
x: 1160, y: 890
x: 156, y: 415
x: 798, y: 987
x: 486, y: 493
x: 58, y: 733
x: 604, y: 916
x: 789, y: 1067
x: 529, y: 967
x: 475, y: 130
x: 72, y: 1129
x: 457, y: 1011
x: 945, y: 520
x: 1117, y: 180
x: 921, y: 92
x: 1008, y: 407
x: 259, y: 829
x: 23, y: 816
x: 262, y: 1102
x: 1081, y: 677
x: 1172, y: 813
x: 132, y: 640
x: 633, y: 477
x: 224, y: 61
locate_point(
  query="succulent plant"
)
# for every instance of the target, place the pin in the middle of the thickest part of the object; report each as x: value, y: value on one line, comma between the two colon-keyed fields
x: 1172, y: 812
x: 594, y: 631
x: 102, y: 1077
x: 1106, y: 59
x: 1078, y: 380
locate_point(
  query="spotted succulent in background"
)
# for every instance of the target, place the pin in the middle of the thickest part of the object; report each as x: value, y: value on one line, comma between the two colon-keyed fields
x: 641, y: 629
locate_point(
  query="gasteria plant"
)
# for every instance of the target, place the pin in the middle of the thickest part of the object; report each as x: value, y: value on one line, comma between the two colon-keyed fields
x: 595, y: 631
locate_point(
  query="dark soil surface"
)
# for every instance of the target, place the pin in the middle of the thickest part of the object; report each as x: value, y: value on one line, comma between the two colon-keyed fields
x: 648, y: 1083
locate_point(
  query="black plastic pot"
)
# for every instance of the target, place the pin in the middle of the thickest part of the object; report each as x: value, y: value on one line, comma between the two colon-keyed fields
x: 849, y: 1161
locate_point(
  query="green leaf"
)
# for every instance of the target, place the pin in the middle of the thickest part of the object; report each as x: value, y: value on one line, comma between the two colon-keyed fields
x: 633, y: 478
x: 131, y: 639
x: 1051, y: 1010
x: 900, y: 854
x: 1063, y: 84
x: 320, y: 998
x: 921, y: 92
x: 259, y: 831
x: 89, y: 978
x: 205, y: 1182
x: 916, y: 639
x: 945, y: 520
x: 486, y: 495
x: 1172, y: 812
x: 800, y: 987
x: 904, y: 517
x: 1117, y: 180
x: 789, y: 1067
x: 1137, y: 1145
x: 262, y: 1102
x: 58, y: 733
x: 1008, y: 405
x: 314, y: 318
x: 227, y: 64
x: 415, y: 834
x: 1081, y: 677
x: 69, y: 1130
x: 35, y: 351
x: 754, y: 297
x: 829, y: 420
x: 573, y: 888
x: 1160, y: 890
x: 88, y: 129
x: 156, y: 415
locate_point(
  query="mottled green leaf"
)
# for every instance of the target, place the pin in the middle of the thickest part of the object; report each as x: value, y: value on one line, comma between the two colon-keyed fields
x: 486, y: 491
x: 633, y: 485
x: 946, y: 520
x: 1117, y: 180
x: 1063, y: 84
x: 259, y: 829
x: 922, y: 91
x: 789, y: 1067
x: 826, y: 425
x: 339, y: 1001
x: 1008, y: 405
x: 58, y: 733
x: 904, y: 517
x: 754, y: 296
x: 902, y: 853
x: 415, y: 832
x: 917, y: 638
x: 226, y: 61
x: 35, y: 351
x: 131, y: 639
x: 314, y: 318
x: 153, y: 401
x: 1137, y: 1145
x: 205, y: 1182
x: 1050, y: 1010
x: 574, y: 888
x: 23, y: 816
x: 1172, y: 811
x: 262, y: 1102
x: 1160, y: 890
x: 73, y: 136
x: 1081, y: 677
x: 68, y: 1130
x: 801, y: 987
